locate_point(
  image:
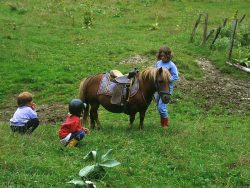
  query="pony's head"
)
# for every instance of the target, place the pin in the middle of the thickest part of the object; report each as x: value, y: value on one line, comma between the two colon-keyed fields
x: 161, y: 79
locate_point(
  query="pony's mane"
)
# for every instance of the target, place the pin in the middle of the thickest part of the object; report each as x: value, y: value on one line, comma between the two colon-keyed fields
x: 150, y: 74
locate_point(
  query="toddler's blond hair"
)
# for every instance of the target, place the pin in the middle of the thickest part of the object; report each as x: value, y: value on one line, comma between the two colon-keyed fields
x: 24, y: 98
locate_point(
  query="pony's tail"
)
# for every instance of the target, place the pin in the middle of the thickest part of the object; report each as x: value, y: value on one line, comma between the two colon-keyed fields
x: 82, y: 96
x: 82, y: 90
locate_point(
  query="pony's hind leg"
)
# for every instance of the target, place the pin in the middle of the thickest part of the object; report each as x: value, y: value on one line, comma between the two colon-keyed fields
x: 85, y: 115
x: 94, y: 116
x: 142, y: 116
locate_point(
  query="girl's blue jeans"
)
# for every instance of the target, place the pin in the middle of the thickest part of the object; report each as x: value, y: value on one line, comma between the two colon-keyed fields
x: 162, y: 108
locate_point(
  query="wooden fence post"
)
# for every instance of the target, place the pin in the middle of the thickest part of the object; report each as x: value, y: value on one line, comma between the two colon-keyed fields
x: 231, y: 43
x: 205, y: 30
x: 216, y: 36
x: 209, y: 34
x: 242, y: 18
x: 225, y: 22
x: 195, y: 28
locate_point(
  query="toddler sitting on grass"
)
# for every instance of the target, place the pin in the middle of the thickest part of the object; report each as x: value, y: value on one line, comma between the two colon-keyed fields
x: 24, y: 120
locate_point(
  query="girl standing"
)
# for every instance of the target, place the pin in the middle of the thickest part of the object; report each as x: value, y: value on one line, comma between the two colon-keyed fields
x: 164, y: 57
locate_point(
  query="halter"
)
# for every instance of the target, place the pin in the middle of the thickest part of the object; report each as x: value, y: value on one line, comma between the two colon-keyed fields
x: 157, y: 87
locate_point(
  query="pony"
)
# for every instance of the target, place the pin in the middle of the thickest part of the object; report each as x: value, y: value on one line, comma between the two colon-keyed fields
x: 151, y: 80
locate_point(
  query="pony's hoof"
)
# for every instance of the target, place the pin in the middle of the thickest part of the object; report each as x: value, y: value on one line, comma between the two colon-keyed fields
x: 141, y: 127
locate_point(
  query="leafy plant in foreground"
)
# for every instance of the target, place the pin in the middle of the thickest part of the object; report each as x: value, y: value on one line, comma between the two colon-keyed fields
x: 95, y: 171
x: 81, y: 183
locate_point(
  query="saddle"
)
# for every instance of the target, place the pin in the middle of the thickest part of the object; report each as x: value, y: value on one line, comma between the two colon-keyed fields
x: 123, y: 83
x: 118, y: 86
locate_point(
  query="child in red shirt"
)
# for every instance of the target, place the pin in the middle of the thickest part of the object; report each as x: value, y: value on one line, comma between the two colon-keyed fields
x: 71, y: 130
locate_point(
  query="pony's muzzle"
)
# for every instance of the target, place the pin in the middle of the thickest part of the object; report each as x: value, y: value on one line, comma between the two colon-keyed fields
x: 165, y: 97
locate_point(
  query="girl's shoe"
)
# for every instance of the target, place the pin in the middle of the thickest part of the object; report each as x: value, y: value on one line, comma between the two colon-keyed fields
x: 164, y: 122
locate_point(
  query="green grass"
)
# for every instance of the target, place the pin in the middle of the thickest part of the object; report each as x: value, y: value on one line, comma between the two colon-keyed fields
x: 46, y: 50
x: 41, y: 45
x: 198, y: 152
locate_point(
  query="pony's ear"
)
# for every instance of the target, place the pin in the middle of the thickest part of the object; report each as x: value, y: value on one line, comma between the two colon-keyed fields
x: 160, y: 70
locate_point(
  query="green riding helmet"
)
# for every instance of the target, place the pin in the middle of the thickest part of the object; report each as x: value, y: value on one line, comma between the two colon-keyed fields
x: 76, y: 107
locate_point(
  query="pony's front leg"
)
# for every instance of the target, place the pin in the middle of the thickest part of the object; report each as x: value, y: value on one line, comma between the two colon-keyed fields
x: 142, y: 116
x: 99, y: 126
x: 131, y: 120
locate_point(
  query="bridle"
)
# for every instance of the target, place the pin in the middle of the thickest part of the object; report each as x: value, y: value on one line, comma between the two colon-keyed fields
x: 159, y: 91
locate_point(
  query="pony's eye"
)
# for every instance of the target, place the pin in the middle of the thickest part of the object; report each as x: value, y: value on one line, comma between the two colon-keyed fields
x: 161, y: 81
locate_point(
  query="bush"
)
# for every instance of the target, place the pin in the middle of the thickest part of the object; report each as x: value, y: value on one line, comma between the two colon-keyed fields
x: 222, y: 43
x: 243, y: 34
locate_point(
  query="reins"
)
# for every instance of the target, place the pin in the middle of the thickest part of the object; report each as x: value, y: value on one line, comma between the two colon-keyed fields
x: 144, y: 98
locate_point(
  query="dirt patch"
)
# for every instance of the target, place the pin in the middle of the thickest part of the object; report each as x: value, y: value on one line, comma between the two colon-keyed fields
x: 53, y: 114
x: 218, y: 89
x: 243, y: 161
x: 137, y: 59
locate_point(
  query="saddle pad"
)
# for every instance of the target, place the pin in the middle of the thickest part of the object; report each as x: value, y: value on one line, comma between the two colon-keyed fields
x: 106, y: 86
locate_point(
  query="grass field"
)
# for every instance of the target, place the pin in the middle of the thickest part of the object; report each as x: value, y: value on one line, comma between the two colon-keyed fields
x: 46, y: 49
x: 203, y: 152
